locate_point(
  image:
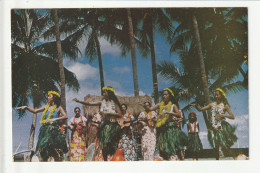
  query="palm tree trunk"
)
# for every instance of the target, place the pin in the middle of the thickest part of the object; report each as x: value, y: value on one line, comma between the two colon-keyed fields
x: 31, y: 136
x: 102, y: 83
x: 133, y: 55
x: 202, y: 66
x: 32, y: 131
x: 62, y: 74
x: 61, y: 67
x: 153, y: 60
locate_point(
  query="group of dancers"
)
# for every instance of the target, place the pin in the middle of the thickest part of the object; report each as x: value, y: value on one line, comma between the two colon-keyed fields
x: 161, y: 135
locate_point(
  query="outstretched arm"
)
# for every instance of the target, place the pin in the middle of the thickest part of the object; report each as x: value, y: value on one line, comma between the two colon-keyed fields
x: 31, y: 109
x: 87, y: 103
x: 203, y: 108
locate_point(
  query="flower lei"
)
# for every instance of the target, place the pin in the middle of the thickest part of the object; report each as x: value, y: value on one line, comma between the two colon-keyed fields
x: 160, y: 121
x: 108, y: 88
x: 43, y: 120
x: 215, y: 121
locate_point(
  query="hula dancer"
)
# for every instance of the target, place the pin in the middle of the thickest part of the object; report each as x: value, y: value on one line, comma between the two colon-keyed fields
x: 109, y: 131
x: 221, y: 134
x: 194, y: 142
x: 51, y: 142
x: 77, y: 125
x: 170, y: 139
x: 148, y: 120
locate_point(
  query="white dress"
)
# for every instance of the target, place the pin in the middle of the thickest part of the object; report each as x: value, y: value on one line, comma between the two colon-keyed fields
x: 149, y: 137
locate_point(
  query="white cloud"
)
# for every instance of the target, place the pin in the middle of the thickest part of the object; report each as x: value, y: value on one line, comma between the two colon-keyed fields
x: 241, y: 122
x: 141, y: 93
x: 106, y: 48
x: 84, y: 71
x: 121, y: 70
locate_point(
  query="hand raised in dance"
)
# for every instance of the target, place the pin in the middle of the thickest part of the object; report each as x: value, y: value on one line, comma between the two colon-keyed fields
x: 22, y: 107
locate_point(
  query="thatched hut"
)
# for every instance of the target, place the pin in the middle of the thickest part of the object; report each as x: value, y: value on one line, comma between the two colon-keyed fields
x: 133, y: 104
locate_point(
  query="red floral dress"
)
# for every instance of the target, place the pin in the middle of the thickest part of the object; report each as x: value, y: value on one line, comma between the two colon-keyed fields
x: 78, y: 144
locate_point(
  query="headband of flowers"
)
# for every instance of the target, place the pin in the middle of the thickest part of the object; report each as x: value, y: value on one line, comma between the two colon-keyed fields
x: 108, y: 88
x: 168, y: 89
x: 220, y: 90
x: 53, y: 92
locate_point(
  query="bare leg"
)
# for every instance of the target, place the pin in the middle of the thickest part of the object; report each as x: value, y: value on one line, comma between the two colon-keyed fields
x: 217, y: 152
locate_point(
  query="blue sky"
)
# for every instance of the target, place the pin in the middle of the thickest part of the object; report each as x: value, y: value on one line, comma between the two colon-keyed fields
x: 118, y: 74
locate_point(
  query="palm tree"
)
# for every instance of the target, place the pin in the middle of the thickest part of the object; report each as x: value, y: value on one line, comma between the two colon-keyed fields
x: 223, y: 35
x: 154, y: 19
x: 34, y: 73
x: 207, y: 44
x: 111, y: 24
x: 60, y: 60
x: 85, y: 23
x: 132, y: 40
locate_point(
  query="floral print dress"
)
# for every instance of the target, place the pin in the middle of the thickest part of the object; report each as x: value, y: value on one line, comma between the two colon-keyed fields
x: 149, y: 135
x: 78, y: 143
x: 127, y: 143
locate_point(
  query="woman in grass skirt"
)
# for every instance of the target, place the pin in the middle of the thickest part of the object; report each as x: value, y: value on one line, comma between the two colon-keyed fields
x: 170, y: 139
x: 51, y: 142
x: 221, y: 135
x: 194, y: 143
x: 109, y: 131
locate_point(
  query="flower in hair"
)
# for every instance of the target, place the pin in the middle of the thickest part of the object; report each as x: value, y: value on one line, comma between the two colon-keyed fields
x: 168, y: 89
x: 108, y: 88
x: 53, y: 92
x: 220, y: 90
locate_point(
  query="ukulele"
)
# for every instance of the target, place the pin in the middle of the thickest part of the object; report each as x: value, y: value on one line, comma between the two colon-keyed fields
x: 125, y: 122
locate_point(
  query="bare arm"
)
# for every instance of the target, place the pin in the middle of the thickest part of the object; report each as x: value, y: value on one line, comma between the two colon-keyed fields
x: 32, y: 109
x: 87, y: 103
x: 230, y: 114
x: 71, y: 126
x: 203, y: 108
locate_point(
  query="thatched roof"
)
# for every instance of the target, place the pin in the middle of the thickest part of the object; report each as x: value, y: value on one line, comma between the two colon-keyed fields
x: 132, y: 103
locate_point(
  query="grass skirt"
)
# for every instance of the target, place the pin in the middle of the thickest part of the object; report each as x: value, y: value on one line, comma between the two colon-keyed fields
x: 170, y: 140
x: 194, y: 142
x: 108, y: 135
x: 223, y: 137
x: 50, y: 140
